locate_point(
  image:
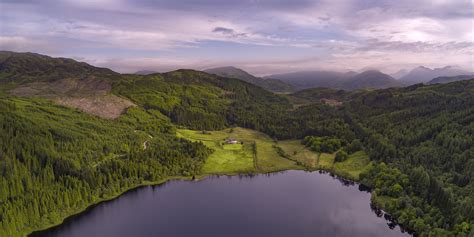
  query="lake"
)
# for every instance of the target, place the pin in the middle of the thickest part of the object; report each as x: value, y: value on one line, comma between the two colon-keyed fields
x: 290, y: 203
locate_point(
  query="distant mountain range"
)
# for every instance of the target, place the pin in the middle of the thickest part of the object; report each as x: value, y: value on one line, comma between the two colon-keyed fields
x: 93, y: 145
x: 423, y: 74
x: 338, y: 80
x: 274, y: 85
x: 442, y: 80
x: 290, y: 82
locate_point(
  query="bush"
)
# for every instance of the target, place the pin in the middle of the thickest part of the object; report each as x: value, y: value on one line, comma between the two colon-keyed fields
x: 322, y: 144
x: 356, y: 145
x: 341, y: 156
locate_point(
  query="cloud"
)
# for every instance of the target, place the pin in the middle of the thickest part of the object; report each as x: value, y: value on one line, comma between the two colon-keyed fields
x: 277, y: 34
x: 127, y: 65
x: 24, y: 44
x: 229, y: 32
x: 223, y: 30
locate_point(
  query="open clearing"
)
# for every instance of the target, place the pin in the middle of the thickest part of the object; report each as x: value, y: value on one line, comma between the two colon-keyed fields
x: 350, y: 168
x: 255, y: 152
x: 90, y: 95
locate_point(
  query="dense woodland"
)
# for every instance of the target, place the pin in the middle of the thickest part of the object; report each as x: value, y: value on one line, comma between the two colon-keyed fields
x: 56, y: 160
x: 426, y: 135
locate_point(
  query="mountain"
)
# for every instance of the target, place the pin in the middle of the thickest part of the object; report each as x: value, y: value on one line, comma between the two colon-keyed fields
x: 370, y: 79
x: 27, y: 66
x: 237, y: 73
x: 399, y: 74
x: 423, y: 74
x: 107, y: 94
x: 337, y: 80
x: 310, y: 79
x: 145, y: 72
x: 66, y: 81
x: 57, y: 158
x: 443, y: 80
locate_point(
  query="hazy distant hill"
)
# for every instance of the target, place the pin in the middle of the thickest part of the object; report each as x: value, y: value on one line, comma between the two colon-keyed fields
x: 311, y: 79
x: 237, y: 73
x: 443, y: 80
x: 423, y: 74
x: 145, y: 72
x: 371, y: 79
x: 338, y: 80
x: 399, y: 74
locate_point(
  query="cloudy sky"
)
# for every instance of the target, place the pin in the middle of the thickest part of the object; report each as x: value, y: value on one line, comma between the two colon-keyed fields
x: 261, y: 36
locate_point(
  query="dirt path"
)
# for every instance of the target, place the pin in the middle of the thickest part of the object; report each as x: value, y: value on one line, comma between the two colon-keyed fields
x: 145, y: 143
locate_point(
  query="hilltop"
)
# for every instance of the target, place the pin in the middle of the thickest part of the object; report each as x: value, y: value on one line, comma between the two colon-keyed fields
x: 273, y: 85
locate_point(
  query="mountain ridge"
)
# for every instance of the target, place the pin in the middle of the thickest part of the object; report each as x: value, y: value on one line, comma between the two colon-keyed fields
x: 443, y: 80
x: 422, y: 74
x: 237, y: 73
x: 338, y: 80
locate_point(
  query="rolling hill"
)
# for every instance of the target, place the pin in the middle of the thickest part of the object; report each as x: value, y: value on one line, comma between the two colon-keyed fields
x: 337, y: 80
x: 37, y: 67
x: 370, y: 79
x: 310, y: 79
x: 58, y: 158
x: 399, y: 74
x: 423, y: 74
x: 273, y: 85
x: 145, y: 72
x: 450, y: 79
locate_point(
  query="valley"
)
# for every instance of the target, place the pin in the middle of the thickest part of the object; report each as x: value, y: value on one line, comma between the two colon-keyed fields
x: 413, y: 146
x: 255, y: 118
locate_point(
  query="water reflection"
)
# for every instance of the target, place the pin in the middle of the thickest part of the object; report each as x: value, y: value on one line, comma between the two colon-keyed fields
x: 291, y: 203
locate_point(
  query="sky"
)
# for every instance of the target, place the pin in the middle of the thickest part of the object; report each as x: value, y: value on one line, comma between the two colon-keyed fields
x: 260, y: 36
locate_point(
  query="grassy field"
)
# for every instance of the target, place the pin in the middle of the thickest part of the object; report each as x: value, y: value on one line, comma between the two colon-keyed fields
x: 350, y: 168
x: 298, y: 152
x: 353, y: 166
x: 258, y: 153
x: 254, y: 153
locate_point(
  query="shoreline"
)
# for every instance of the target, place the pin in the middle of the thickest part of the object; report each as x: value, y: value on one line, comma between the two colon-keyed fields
x: 111, y: 198
x: 198, y: 178
x: 154, y: 183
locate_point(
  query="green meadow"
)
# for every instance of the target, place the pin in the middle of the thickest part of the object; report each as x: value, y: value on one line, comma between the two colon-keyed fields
x: 255, y: 152
x: 350, y: 168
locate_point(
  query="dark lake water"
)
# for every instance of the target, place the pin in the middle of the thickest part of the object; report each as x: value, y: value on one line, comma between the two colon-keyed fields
x: 291, y: 203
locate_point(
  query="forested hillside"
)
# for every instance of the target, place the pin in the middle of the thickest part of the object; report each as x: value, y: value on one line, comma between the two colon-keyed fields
x: 422, y: 141
x: 237, y: 73
x: 427, y: 133
x: 56, y: 160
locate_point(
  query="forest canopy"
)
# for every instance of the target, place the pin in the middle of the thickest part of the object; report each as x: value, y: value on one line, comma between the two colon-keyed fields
x: 56, y: 160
